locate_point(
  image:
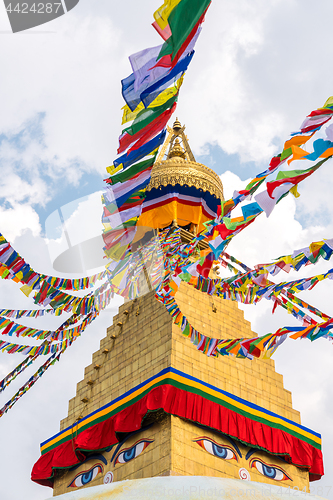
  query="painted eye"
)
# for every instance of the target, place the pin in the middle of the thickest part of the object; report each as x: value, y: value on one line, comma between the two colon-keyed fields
x: 86, y: 477
x: 216, y: 449
x: 126, y: 455
x: 269, y: 470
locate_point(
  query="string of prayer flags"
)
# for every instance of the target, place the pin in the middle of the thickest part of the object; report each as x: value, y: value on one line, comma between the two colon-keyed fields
x: 25, y: 313
x: 161, y: 15
x: 14, y: 267
x: 182, y: 20
x: 241, y: 348
x: 285, y: 182
x: 312, y: 124
x: 74, y: 283
x: 274, y: 192
x: 66, y: 336
x: 299, y: 258
x: 11, y: 328
x: 151, y: 94
x: 263, y: 346
x: 147, y: 118
x: 24, y: 389
x: 244, y: 279
x: 17, y: 371
x: 34, y: 350
x: 129, y: 115
x: 248, y: 289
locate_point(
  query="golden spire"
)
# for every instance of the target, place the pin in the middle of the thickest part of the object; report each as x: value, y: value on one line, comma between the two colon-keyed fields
x: 177, y: 126
x: 176, y: 164
x: 177, y: 144
x: 177, y: 150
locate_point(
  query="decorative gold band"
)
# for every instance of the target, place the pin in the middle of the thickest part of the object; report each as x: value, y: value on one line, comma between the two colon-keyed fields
x: 178, y: 171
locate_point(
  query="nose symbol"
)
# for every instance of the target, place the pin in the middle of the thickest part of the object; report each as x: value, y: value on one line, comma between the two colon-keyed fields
x: 244, y: 474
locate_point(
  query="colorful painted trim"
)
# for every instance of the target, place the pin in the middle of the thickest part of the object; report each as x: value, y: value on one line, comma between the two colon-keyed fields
x: 185, y: 203
x: 188, y: 397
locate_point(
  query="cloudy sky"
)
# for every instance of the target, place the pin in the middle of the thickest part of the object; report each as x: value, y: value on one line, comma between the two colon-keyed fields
x: 259, y: 68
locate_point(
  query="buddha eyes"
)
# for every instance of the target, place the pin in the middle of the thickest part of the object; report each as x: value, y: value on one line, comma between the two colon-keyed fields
x: 217, y: 450
x: 86, y: 477
x: 123, y: 457
x: 130, y: 453
x: 269, y: 470
x: 220, y: 451
x: 227, y: 453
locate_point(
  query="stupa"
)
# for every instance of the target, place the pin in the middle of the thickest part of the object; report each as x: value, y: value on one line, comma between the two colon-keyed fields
x: 152, y: 406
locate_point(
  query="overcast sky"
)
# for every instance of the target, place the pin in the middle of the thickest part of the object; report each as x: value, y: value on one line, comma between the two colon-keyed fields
x: 260, y: 66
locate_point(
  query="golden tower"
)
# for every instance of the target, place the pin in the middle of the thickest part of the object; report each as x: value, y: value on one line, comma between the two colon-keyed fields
x: 143, y: 349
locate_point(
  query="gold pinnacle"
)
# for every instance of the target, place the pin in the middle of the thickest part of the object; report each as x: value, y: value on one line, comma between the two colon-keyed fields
x: 177, y: 126
x: 177, y: 150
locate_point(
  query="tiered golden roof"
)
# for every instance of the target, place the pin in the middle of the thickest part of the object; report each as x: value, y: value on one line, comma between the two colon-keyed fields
x: 180, y: 167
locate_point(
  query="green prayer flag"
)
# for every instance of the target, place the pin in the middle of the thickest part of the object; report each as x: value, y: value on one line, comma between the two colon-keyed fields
x: 146, y: 116
x: 133, y: 170
x: 182, y: 20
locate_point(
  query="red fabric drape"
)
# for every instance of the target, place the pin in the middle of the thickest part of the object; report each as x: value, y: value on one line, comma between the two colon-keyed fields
x: 187, y: 405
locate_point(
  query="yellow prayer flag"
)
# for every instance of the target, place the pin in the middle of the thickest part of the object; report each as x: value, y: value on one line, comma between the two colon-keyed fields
x: 162, y: 13
x: 329, y: 102
x: 26, y: 290
x: 153, y: 152
x: 165, y: 96
x: 316, y: 245
x: 268, y: 354
x: 129, y: 115
x: 113, y: 170
x: 243, y: 288
x: 294, y: 191
x: 179, y: 82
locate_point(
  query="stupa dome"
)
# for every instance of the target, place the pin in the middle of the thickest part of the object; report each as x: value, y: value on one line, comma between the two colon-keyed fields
x: 181, y: 190
x: 186, y: 488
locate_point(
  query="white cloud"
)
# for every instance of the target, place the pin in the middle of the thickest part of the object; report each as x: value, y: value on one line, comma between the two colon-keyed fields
x: 14, y: 221
x: 77, y: 223
x: 70, y: 78
x: 259, y: 69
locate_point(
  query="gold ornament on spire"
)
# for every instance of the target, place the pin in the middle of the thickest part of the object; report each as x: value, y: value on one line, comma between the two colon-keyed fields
x: 178, y: 165
x: 176, y: 126
x: 177, y: 151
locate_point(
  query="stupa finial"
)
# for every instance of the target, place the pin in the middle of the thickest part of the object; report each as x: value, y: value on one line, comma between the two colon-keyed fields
x: 177, y: 144
x: 177, y: 126
x: 177, y: 150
